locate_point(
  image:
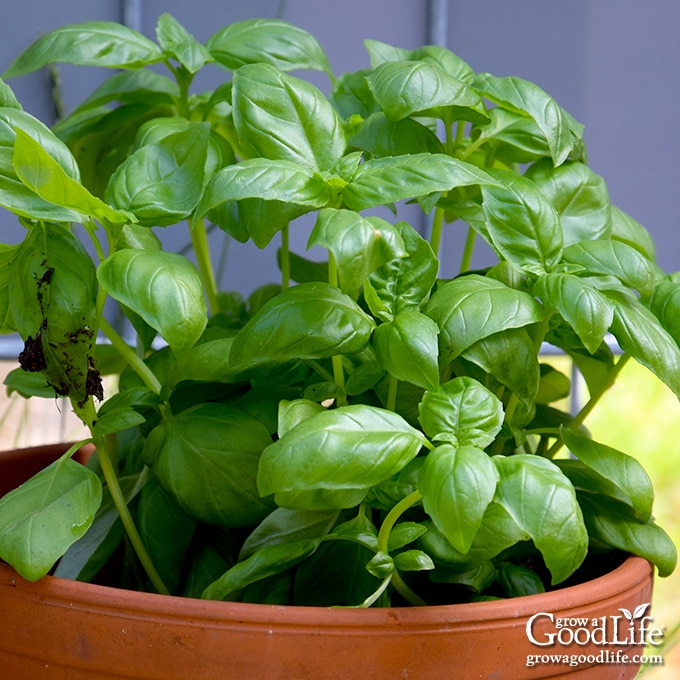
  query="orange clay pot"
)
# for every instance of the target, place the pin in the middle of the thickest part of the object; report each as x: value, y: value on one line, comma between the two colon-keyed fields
x: 56, y: 628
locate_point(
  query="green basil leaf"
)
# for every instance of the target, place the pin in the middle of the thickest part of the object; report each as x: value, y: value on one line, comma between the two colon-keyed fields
x: 177, y: 42
x: 422, y: 88
x: 473, y: 307
x: 290, y: 413
x: 359, y: 244
x: 413, y: 560
x: 404, y: 533
x: 542, y: 501
x: 615, y: 258
x: 281, y: 117
x: 382, y: 181
x: 7, y: 255
x: 207, y: 457
x: 308, y: 321
x: 579, y: 196
x: 665, y: 305
x: 407, y: 348
x: 619, y: 530
x: 522, y: 223
x: 462, y: 412
x: 14, y: 194
x: 640, y: 334
x: 267, y: 561
x: 350, y: 95
x: 622, y: 470
x: 165, y: 289
x: 457, y: 485
x: 528, y: 99
x: 630, y: 231
x: 161, y: 183
x: 331, y: 460
x: 270, y: 41
x: 90, y: 43
x: 583, y: 307
x: 518, y: 581
x: 7, y: 97
x: 47, y: 178
x: 46, y: 514
x: 381, y: 52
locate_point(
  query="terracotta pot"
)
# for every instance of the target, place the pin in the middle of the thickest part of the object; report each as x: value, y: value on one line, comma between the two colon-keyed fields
x: 56, y: 628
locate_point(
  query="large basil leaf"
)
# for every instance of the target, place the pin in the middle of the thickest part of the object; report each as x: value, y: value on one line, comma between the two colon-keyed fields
x: 579, y: 196
x: 382, y: 181
x: 522, y: 223
x: 281, y: 117
x: 665, y: 305
x: 270, y: 41
x: 308, y: 321
x: 609, y: 525
x: 630, y: 231
x: 207, y: 457
x: 622, y: 470
x: 526, y: 98
x: 408, y: 88
x: 90, y: 43
x: 462, y: 412
x: 407, y: 348
x: 542, y: 501
x: 161, y: 183
x: 474, y: 307
x: 615, y: 258
x: 358, y: 244
x: 583, y: 307
x: 332, y: 459
x: 7, y: 254
x: 457, y: 485
x: 45, y: 515
x: 165, y: 289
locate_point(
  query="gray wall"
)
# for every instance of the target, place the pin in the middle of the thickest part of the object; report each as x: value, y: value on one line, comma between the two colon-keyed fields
x: 611, y: 63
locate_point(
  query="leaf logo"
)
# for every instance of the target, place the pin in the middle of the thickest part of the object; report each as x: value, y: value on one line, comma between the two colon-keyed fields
x: 637, y: 614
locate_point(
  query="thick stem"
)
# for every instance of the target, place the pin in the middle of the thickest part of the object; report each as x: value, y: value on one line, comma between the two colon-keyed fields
x: 392, y: 394
x: 436, y: 233
x: 336, y: 360
x: 89, y: 416
x: 466, y: 260
x: 199, y: 240
x: 285, y: 258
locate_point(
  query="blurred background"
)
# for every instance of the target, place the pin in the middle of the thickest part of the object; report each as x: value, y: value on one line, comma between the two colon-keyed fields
x: 613, y: 64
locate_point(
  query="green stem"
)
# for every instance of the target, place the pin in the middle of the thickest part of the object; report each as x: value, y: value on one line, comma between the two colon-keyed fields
x: 580, y: 417
x: 336, y: 360
x: 285, y: 258
x: 89, y: 416
x: 199, y: 240
x: 131, y: 357
x: 392, y: 394
x: 436, y: 233
x: 466, y: 260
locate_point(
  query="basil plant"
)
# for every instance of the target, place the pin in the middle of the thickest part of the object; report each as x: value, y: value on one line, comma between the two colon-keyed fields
x: 363, y: 432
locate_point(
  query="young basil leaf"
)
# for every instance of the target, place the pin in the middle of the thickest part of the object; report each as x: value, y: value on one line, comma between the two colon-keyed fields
x: 281, y: 117
x: 528, y: 99
x: 615, y: 258
x: 293, y: 412
x: 14, y: 194
x: 543, y: 503
x: 382, y: 181
x: 583, y: 307
x: 308, y: 321
x: 462, y: 412
x: 165, y: 289
x: 48, y: 179
x: 413, y: 560
x: 619, y: 530
x: 270, y: 41
x: 177, y: 42
x: 521, y: 223
x: 579, y: 196
x: 405, y: 282
x: 640, y: 334
x: 331, y: 460
x: 206, y: 457
x: 267, y: 561
x: 90, y: 43
x: 404, y: 533
x: 351, y: 96
x: 474, y: 307
x: 457, y: 485
x: 407, y: 348
x: 554, y: 385
x: 359, y: 244
x: 622, y: 470
x: 382, y: 137
x: 46, y: 514
x: 381, y: 52
x: 630, y: 231
x: 404, y: 88
x: 7, y: 97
